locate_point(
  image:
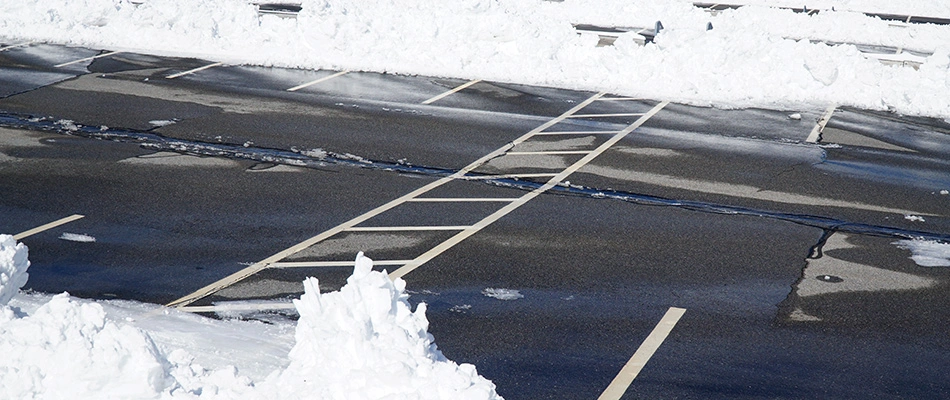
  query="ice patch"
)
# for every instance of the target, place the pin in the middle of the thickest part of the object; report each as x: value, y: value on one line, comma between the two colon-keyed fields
x: 77, y: 237
x: 503, y: 294
x: 161, y: 122
x: 927, y: 253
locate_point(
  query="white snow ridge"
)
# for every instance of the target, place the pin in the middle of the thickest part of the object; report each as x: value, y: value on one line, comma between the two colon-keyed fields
x: 362, y: 342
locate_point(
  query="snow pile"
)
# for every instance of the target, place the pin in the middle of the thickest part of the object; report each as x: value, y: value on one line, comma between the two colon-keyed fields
x: 754, y: 56
x: 365, y: 339
x: 363, y: 342
x: 927, y: 253
x: 14, y: 261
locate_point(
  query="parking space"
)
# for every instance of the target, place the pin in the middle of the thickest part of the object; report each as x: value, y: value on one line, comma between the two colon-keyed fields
x: 522, y: 195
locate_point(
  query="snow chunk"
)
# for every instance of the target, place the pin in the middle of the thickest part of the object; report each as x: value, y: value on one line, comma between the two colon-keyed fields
x: 945, y: 192
x: 365, y: 339
x: 796, y: 116
x: 503, y: 294
x: 77, y: 237
x: 915, y: 218
x: 927, y: 253
x: 161, y: 122
x: 13, y: 265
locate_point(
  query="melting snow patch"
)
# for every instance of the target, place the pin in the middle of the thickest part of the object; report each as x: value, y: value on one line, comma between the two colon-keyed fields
x: 68, y: 125
x: 77, y: 237
x: 927, y: 253
x: 503, y: 294
x: 161, y: 122
x: 795, y: 116
x: 915, y: 218
x: 461, y: 308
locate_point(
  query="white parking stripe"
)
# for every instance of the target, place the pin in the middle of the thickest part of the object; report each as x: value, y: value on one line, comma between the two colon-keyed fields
x: 48, y: 226
x: 406, y: 228
x: 622, y: 381
x: 457, y: 88
x: 555, y: 180
x: 86, y: 59
x: 815, y: 134
x: 191, y: 71
x: 553, y: 133
x: 606, y: 115
x: 314, y: 82
x: 318, y: 264
x: 13, y: 46
x: 261, y: 265
x: 461, y: 199
x: 546, y: 153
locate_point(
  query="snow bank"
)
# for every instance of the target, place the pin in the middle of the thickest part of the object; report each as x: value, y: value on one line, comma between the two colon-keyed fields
x: 754, y: 56
x: 14, y: 261
x: 362, y: 342
x: 365, y: 339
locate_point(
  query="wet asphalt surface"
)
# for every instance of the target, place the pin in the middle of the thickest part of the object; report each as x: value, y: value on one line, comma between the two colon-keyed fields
x: 721, y: 212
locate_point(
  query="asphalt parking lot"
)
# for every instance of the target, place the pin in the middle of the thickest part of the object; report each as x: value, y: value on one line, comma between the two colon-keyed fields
x: 222, y: 187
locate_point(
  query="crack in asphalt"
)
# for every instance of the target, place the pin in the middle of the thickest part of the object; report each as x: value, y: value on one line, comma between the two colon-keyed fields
x: 305, y: 159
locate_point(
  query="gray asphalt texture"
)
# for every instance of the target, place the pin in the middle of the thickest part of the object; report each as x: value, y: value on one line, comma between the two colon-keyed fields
x: 720, y: 212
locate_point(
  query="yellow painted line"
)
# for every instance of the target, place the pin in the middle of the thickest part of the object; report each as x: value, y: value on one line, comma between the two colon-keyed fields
x: 606, y: 115
x: 191, y: 71
x: 622, y: 381
x: 545, y: 153
x: 86, y: 59
x: 322, y: 264
x: 456, y: 89
x: 314, y: 82
x: 13, y: 46
x: 461, y: 199
x: 48, y: 226
x: 555, y: 180
x: 263, y: 264
x: 406, y: 228
x: 815, y: 134
x: 578, y: 133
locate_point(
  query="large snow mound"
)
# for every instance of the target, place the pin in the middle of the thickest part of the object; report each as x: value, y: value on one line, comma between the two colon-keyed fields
x: 363, y: 342
x: 754, y: 56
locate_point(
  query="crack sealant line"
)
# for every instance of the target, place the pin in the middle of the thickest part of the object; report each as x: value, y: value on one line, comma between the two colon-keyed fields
x: 86, y: 59
x: 815, y: 135
x: 263, y: 264
x: 508, y: 208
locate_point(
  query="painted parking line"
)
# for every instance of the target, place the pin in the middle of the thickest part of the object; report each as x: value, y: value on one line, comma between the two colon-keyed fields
x: 606, y: 115
x: 316, y: 81
x: 456, y: 89
x: 462, y: 199
x: 465, y: 232
x: 407, y: 228
x: 629, y: 372
x: 815, y: 134
x: 261, y: 265
x: 556, y: 133
x: 546, y: 153
x: 48, y: 226
x: 193, y: 70
x: 325, y: 264
x: 13, y: 46
x: 86, y: 59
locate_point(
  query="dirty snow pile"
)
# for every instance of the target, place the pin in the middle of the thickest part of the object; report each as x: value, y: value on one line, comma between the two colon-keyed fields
x: 362, y: 342
x: 754, y: 56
